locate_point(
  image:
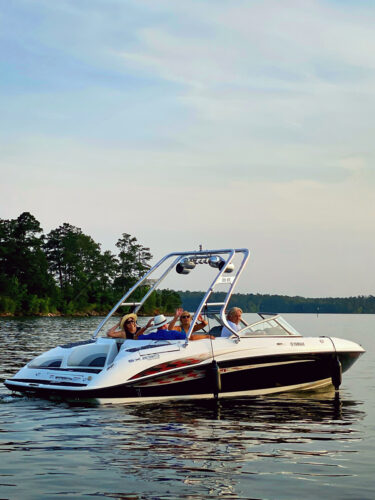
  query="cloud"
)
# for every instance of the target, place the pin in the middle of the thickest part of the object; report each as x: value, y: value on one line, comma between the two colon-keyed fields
x: 221, y: 123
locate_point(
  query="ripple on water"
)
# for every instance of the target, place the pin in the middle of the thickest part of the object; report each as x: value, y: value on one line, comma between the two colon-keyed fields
x: 289, y: 446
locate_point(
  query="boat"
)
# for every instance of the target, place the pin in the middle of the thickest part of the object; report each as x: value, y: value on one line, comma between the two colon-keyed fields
x: 268, y: 356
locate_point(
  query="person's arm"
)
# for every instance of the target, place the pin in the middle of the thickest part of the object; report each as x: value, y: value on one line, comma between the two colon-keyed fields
x: 114, y: 333
x: 178, y: 313
x: 143, y: 329
x: 202, y: 324
x: 201, y: 336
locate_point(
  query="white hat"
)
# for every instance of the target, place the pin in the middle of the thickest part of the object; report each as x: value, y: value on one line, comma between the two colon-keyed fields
x: 160, y: 321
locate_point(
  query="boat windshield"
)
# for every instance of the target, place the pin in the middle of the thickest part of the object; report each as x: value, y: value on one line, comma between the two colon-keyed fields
x: 275, y: 327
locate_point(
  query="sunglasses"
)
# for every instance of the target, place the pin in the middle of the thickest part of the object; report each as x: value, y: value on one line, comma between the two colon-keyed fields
x: 183, y: 317
x: 129, y: 321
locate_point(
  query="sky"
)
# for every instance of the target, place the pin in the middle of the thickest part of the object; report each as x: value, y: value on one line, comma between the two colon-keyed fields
x: 214, y: 123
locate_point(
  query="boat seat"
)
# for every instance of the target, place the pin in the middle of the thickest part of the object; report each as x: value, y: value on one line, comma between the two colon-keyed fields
x: 216, y: 331
x: 99, y: 361
x: 94, y: 360
x: 91, y: 355
x: 54, y: 363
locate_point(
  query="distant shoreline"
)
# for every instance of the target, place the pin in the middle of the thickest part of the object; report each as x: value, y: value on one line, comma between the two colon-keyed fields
x: 91, y: 314
x: 284, y: 304
x: 249, y: 303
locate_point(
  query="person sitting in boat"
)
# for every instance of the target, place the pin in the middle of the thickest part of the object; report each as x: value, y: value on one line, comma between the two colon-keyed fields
x: 127, y: 328
x: 162, y: 332
x: 185, y: 322
x: 234, y: 318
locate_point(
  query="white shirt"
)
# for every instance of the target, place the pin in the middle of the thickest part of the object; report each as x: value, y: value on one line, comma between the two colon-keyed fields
x: 225, y: 332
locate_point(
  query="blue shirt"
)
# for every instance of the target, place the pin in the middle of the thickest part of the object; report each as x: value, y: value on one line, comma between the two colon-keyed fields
x: 163, y: 335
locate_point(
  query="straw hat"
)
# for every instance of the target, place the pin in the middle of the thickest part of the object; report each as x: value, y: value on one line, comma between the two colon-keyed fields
x: 126, y: 317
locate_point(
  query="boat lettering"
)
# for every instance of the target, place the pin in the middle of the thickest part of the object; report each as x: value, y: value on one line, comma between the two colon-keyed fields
x: 297, y: 343
x: 151, y: 356
x: 224, y: 279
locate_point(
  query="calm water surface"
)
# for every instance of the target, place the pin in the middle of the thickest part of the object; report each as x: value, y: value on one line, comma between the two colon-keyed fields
x: 266, y: 448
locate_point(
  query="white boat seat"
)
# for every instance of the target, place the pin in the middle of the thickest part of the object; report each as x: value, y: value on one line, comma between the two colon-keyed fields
x: 90, y: 355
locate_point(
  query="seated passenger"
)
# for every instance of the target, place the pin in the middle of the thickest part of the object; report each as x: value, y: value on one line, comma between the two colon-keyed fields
x: 128, y: 328
x: 162, y: 332
x: 185, y: 321
x: 233, y: 317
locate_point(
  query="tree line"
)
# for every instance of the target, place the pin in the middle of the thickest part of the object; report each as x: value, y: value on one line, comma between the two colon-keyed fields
x: 66, y: 272
x: 285, y: 304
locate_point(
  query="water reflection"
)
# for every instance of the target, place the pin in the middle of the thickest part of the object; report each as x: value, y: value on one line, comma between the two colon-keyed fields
x: 215, y: 443
x: 283, y: 408
x: 209, y: 447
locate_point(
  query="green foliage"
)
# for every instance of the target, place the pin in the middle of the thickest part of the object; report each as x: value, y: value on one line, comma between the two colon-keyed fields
x: 22, y: 259
x: 64, y: 271
x: 169, y: 300
x: 8, y: 305
x: 133, y: 261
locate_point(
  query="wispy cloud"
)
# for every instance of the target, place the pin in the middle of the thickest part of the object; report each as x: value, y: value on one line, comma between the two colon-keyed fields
x: 248, y: 121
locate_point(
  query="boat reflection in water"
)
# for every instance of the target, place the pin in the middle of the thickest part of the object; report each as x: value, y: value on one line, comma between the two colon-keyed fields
x: 282, y: 408
x: 217, y: 445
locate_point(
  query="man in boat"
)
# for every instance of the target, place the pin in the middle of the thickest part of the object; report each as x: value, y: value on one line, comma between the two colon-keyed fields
x: 162, y: 332
x: 234, y: 318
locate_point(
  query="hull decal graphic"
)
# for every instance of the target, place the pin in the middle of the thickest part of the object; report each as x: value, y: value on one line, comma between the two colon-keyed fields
x: 170, y: 365
x: 173, y: 379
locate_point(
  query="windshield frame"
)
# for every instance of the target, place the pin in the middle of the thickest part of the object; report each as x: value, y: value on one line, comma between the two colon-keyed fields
x: 289, y: 330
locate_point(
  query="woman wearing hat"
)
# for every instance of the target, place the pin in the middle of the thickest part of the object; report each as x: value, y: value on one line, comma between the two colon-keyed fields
x: 127, y: 328
x: 185, y: 321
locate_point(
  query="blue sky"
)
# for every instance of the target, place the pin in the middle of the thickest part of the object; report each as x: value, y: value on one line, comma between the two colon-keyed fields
x: 245, y: 124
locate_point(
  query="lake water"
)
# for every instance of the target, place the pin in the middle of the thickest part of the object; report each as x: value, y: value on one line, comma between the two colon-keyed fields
x: 285, y: 447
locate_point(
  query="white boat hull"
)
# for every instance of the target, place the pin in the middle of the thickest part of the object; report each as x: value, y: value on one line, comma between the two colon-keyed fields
x: 159, y: 370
